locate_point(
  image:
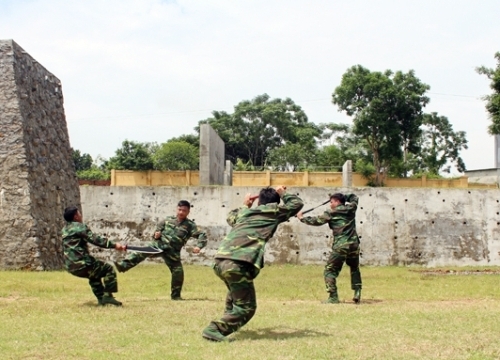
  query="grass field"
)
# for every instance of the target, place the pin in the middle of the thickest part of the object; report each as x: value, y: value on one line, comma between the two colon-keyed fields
x: 404, y: 315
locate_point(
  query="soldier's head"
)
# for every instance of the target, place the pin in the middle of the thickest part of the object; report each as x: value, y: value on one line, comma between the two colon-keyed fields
x: 268, y: 195
x: 183, y: 208
x: 71, y: 213
x: 336, y: 200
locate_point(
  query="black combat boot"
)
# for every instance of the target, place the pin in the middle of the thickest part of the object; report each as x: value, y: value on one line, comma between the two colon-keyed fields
x: 357, y: 296
x: 108, y: 299
x: 332, y: 299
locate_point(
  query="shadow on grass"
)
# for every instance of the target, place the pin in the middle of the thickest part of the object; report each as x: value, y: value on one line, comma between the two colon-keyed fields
x: 166, y: 298
x: 277, y: 334
x: 363, y: 302
x: 91, y: 303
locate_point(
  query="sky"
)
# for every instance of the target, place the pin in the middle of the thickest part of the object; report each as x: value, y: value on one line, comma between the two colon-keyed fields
x: 149, y: 70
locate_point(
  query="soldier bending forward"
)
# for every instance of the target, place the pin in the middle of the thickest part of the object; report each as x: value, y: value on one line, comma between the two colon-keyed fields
x: 241, y: 256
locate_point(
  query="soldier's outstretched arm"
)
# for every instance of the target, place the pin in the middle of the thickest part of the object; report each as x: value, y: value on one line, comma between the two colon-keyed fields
x: 292, y: 204
x: 97, y: 240
x: 201, y: 236
x: 317, y: 220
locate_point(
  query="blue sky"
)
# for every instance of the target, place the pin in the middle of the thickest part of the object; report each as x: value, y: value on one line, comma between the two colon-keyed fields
x: 149, y: 70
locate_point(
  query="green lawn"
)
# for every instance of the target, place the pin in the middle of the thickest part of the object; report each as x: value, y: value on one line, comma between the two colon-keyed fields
x: 404, y: 315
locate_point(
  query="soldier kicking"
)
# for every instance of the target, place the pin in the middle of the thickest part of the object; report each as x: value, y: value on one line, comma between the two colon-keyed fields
x: 170, y: 236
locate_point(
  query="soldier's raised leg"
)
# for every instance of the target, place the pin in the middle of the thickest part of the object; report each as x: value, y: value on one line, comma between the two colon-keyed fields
x: 130, y: 261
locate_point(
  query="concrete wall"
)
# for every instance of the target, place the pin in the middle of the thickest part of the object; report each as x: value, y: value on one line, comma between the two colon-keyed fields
x: 431, y: 227
x: 212, y: 155
x: 273, y: 178
x: 484, y: 176
x: 37, y: 176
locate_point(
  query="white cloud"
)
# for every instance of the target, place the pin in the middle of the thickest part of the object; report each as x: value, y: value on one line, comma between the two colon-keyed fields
x: 149, y: 70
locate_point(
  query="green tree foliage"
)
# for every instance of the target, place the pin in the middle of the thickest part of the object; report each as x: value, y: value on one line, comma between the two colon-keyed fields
x: 493, y: 100
x: 329, y: 158
x: 243, y: 166
x: 406, y: 167
x: 386, y: 110
x: 94, y: 173
x: 344, y: 145
x: 408, y: 110
x: 262, y: 124
x: 132, y: 156
x: 81, y: 161
x: 290, y: 157
x: 367, y: 170
x: 440, y: 145
x: 88, y: 169
x: 176, y: 155
x: 188, y: 138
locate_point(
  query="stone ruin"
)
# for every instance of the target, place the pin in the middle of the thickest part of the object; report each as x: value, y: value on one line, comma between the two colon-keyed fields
x: 37, y: 175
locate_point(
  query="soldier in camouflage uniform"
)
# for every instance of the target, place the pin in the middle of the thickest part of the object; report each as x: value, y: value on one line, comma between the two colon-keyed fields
x: 170, y: 236
x: 241, y: 256
x: 77, y: 260
x: 342, y: 220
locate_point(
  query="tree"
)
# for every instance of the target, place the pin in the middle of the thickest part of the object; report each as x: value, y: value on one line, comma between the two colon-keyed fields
x: 189, y: 138
x: 176, y: 155
x: 343, y: 145
x: 409, y: 111
x: 242, y: 166
x: 290, y: 157
x: 132, y: 156
x: 440, y: 145
x: 81, y: 161
x: 330, y: 158
x: 386, y: 109
x: 94, y: 173
x: 258, y: 126
x: 493, y: 100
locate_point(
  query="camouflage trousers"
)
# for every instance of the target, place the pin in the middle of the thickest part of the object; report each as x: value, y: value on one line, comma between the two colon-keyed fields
x: 241, y: 303
x: 102, y: 277
x: 173, y: 262
x: 348, y: 254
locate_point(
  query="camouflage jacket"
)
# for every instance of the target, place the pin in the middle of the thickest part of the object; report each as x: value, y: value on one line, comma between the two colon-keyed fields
x: 75, y: 239
x: 253, y: 227
x: 174, y: 235
x: 342, y: 221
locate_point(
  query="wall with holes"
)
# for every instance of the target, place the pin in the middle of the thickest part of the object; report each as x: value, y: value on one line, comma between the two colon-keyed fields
x: 429, y: 227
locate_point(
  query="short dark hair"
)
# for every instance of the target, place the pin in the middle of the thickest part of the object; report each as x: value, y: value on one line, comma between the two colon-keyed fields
x: 184, y: 203
x: 339, y: 197
x: 268, y: 195
x: 69, y: 213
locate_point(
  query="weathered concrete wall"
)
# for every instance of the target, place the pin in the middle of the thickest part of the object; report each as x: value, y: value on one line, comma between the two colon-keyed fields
x: 212, y: 154
x: 484, y: 176
x: 430, y: 227
x: 37, y: 178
